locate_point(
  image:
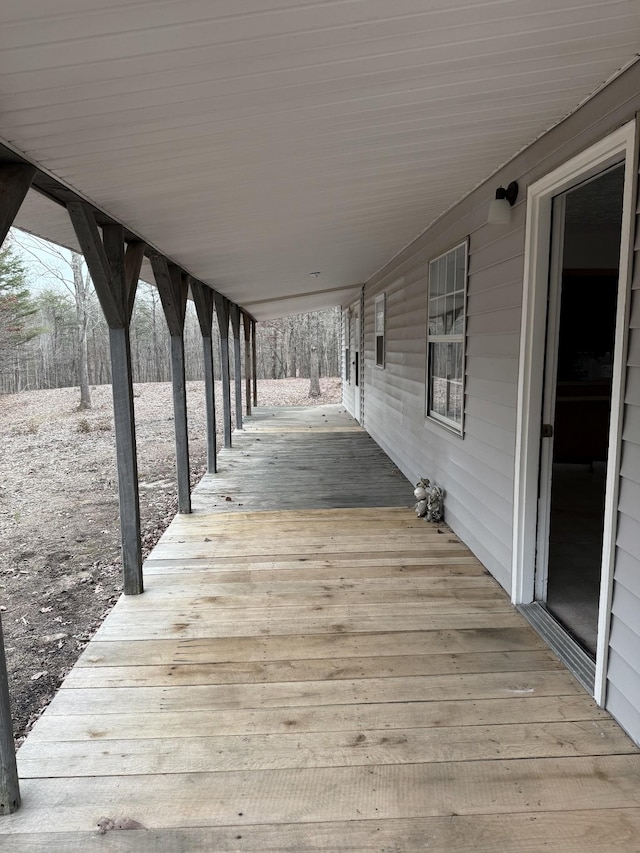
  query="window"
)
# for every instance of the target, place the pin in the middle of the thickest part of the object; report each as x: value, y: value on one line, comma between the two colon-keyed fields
x: 445, y: 337
x: 380, y: 308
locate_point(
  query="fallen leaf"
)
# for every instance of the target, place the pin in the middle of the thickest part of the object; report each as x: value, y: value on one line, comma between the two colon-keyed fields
x: 37, y: 675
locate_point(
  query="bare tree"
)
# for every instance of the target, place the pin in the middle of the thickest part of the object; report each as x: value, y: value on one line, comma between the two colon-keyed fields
x: 314, y: 380
x: 81, y: 290
x: 67, y: 268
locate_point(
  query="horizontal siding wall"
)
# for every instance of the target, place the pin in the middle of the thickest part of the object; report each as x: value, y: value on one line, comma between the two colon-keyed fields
x: 477, y: 471
x: 623, y: 692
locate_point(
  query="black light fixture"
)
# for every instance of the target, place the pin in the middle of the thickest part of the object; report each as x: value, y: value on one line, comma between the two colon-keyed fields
x: 500, y: 207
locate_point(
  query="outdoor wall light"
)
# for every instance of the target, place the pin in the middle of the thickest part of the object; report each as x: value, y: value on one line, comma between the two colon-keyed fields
x: 500, y: 207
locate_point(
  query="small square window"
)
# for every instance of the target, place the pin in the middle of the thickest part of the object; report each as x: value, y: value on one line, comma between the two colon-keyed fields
x: 446, y: 337
x: 380, y: 312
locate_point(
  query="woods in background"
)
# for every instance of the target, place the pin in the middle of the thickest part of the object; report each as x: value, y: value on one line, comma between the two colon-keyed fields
x: 53, y: 334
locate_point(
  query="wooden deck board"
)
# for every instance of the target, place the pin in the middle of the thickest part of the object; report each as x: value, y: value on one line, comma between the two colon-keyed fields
x: 572, y: 831
x: 332, y: 676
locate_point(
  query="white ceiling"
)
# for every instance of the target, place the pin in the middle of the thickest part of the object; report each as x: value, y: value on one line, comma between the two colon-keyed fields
x: 257, y: 141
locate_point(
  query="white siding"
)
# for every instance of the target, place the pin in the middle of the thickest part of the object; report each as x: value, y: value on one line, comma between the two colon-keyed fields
x: 623, y: 694
x: 477, y: 470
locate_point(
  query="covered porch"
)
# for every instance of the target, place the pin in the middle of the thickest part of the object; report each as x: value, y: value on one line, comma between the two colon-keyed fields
x: 313, y: 668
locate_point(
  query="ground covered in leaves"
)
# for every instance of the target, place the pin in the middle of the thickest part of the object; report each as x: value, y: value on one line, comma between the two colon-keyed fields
x: 60, y: 570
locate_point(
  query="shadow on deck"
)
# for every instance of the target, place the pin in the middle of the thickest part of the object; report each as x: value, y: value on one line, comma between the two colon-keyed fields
x: 309, y: 678
x: 314, y: 457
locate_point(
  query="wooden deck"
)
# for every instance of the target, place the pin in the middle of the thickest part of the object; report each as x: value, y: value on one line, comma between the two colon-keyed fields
x: 313, y: 457
x: 307, y: 679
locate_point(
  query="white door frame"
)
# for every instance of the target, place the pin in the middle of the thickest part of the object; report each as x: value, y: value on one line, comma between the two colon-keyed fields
x: 552, y: 338
x: 620, y: 146
x: 357, y: 359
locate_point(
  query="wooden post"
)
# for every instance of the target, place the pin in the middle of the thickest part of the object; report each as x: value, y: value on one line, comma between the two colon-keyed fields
x: 9, y: 787
x: 15, y: 180
x: 115, y: 277
x: 178, y: 381
x: 222, y: 312
x: 203, y: 298
x: 254, y: 363
x: 173, y: 287
x: 127, y: 459
x: 246, y: 322
x: 237, y: 362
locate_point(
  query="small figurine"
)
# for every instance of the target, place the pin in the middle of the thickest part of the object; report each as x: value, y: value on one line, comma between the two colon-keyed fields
x: 430, y: 500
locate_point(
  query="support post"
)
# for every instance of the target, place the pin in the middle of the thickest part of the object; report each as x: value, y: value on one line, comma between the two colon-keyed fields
x: 222, y: 312
x: 237, y: 362
x: 173, y: 287
x: 9, y: 787
x: 178, y: 381
x: 115, y: 276
x: 246, y: 322
x: 203, y: 298
x: 15, y: 180
x: 127, y: 458
x: 254, y: 363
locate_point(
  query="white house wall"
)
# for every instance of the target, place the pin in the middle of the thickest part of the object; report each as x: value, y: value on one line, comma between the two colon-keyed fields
x: 477, y: 471
x: 623, y: 690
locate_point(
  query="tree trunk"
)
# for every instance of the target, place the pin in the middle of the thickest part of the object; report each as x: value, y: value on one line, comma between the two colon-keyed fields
x: 314, y: 382
x: 81, y: 293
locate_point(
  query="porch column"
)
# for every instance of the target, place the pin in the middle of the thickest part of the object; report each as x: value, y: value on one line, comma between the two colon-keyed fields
x: 203, y: 298
x: 115, y: 277
x: 254, y: 362
x: 237, y: 362
x: 246, y: 322
x: 9, y: 786
x: 173, y: 287
x: 15, y: 180
x: 222, y: 312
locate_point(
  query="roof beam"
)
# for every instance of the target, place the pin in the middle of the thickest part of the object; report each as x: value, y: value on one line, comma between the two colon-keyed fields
x: 173, y: 287
x: 94, y: 251
x: 15, y: 180
x: 132, y: 264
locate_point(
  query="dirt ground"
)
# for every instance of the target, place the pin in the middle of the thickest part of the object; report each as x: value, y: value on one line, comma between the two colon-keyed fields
x: 60, y: 570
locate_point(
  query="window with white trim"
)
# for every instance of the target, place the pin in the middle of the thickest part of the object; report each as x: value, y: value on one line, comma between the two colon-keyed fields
x: 446, y: 337
x: 380, y: 311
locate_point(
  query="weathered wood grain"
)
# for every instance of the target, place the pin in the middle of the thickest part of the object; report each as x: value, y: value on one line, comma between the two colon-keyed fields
x: 301, y: 750
x: 318, y: 718
x: 302, y: 459
x: 520, y: 832
x: 323, y: 677
x: 306, y: 795
x: 308, y: 669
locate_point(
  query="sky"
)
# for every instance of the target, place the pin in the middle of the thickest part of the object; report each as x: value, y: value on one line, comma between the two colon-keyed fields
x: 47, y: 265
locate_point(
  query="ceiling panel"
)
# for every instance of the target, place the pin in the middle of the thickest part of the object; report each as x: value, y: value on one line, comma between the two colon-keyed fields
x: 256, y: 141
